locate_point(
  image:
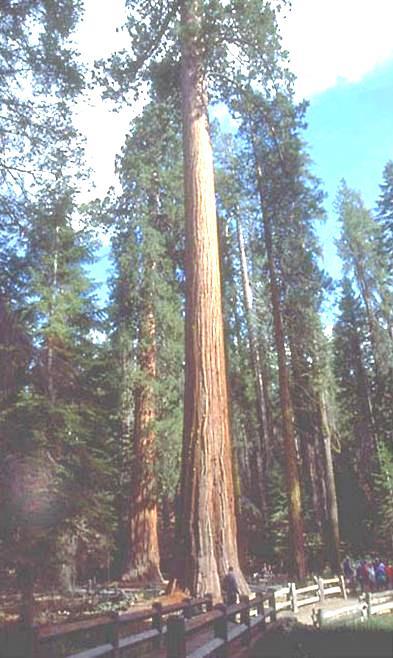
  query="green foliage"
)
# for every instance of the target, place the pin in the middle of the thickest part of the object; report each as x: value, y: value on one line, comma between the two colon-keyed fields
x: 383, y: 500
x: 148, y: 252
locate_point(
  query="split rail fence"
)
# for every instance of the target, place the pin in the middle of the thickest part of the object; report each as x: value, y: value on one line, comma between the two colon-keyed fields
x: 164, y: 631
x: 370, y: 604
x: 292, y: 597
x: 168, y: 631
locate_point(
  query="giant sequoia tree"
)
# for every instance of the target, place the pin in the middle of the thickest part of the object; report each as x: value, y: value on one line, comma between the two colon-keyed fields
x: 207, y: 524
x: 207, y: 519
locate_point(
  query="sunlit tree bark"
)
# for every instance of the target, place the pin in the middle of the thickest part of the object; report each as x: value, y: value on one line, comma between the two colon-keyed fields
x: 207, y: 527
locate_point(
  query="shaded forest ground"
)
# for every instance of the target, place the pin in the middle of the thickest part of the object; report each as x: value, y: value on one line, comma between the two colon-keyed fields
x: 302, y: 642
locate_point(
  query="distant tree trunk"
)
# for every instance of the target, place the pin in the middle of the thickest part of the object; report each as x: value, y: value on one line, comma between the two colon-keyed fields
x: 368, y: 459
x: 207, y: 542
x: 25, y: 581
x: 333, y: 534
x: 257, y: 369
x: 67, y: 547
x: 143, y: 558
x: 304, y: 412
x: 297, y: 562
x: 52, y: 307
x: 371, y: 319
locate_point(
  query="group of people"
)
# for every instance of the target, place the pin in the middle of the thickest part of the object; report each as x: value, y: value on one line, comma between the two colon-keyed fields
x: 369, y: 575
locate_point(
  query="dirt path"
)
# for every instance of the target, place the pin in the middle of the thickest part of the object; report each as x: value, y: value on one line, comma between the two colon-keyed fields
x: 304, y: 615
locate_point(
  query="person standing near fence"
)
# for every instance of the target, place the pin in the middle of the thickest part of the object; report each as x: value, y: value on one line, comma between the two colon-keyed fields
x: 230, y: 588
x: 348, y: 572
x: 380, y: 575
x: 389, y: 574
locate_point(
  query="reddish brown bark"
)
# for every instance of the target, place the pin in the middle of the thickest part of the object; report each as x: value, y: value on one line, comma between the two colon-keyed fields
x: 333, y: 532
x: 143, y: 558
x: 207, y: 523
x: 297, y: 562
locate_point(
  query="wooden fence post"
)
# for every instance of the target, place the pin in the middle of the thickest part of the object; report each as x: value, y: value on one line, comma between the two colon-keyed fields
x: 187, y: 610
x: 272, y: 605
x: 156, y: 623
x: 320, y: 618
x: 369, y: 604
x: 321, y: 589
x: 245, y: 619
x: 209, y: 602
x: 114, y: 634
x: 343, y: 587
x: 176, y: 637
x: 221, y: 630
x: 260, y: 607
x: 293, y: 596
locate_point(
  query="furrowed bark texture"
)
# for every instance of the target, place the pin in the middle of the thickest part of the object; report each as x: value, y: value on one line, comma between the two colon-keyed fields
x: 207, y: 528
x: 143, y: 559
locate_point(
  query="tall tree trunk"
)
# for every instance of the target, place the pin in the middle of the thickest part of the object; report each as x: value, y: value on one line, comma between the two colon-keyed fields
x: 257, y: 369
x: 297, y: 563
x: 52, y: 308
x: 304, y: 412
x: 207, y: 542
x: 368, y: 460
x: 333, y: 534
x: 371, y: 319
x: 143, y: 558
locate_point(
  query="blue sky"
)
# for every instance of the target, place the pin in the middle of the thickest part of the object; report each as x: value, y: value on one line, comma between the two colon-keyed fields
x: 342, y: 54
x: 350, y: 135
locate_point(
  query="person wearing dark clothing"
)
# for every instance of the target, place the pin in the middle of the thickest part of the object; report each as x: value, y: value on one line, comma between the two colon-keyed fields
x: 230, y: 587
x: 362, y: 575
x: 348, y: 572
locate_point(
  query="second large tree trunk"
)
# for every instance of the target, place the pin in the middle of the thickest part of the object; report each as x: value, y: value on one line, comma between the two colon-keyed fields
x: 265, y: 440
x: 297, y: 561
x: 333, y: 532
x: 143, y: 558
x: 207, y: 524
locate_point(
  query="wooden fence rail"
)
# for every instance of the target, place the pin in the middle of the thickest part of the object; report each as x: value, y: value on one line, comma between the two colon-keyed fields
x: 367, y: 606
x: 109, y: 635
x: 237, y: 622
x: 292, y: 597
x: 115, y: 634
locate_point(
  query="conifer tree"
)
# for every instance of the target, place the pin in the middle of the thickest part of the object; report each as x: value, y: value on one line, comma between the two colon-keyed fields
x: 207, y: 542
x: 145, y: 294
x: 49, y: 423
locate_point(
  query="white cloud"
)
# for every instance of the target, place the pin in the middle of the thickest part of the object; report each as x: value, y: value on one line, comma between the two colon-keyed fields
x: 328, y: 41
x: 98, y: 35
x: 334, y: 40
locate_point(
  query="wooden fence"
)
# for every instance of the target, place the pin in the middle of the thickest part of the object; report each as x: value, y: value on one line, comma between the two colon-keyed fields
x: 177, y: 624
x: 136, y: 633
x: 109, y: 635
x: 238, y: 622
x: 292, y: 597
x: 367, y: 606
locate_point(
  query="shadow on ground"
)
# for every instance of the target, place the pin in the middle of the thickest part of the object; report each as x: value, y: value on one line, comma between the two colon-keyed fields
x: 302, y: 642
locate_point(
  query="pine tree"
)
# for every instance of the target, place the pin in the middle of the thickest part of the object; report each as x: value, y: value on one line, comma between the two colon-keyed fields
x: 359, y: 249
x: 356, y: 414
x: 50, y: 416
